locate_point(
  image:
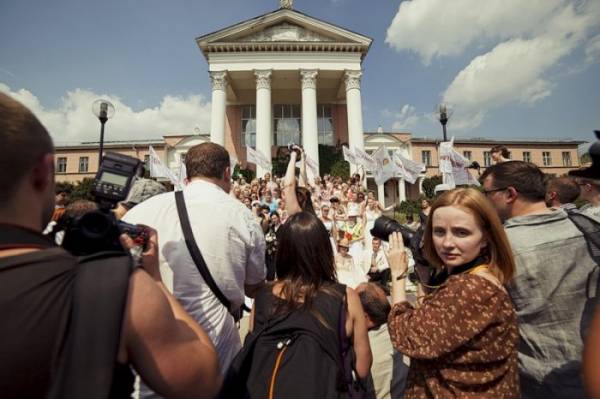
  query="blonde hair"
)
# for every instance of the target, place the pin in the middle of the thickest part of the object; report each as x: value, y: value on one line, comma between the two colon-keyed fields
x: 498, y: 252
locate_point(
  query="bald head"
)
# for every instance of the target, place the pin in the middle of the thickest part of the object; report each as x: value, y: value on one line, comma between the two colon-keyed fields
x: 23, y: 141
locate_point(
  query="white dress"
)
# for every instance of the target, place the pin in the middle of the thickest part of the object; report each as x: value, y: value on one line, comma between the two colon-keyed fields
x: 371, y: 216
x: 348, y: 272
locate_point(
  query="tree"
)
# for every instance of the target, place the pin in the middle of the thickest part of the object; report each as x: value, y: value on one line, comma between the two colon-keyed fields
x: 83, y: 190
x: 429, y: 184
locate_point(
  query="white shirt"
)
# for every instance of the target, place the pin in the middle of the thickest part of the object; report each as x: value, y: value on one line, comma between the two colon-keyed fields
x: 380, y: 260
x: 232, y: 244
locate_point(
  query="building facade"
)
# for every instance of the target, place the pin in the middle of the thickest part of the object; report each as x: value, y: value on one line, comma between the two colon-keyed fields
x: 285, y: 77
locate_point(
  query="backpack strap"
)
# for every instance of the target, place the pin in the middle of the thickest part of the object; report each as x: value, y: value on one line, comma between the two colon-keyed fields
x: 195, y: 253
x: 100, y: 290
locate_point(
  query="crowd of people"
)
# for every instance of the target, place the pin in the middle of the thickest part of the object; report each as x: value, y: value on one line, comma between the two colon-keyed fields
x: 505, y: 308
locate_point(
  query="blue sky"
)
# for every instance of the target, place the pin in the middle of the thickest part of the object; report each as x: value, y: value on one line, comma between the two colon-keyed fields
x: 509, y: 69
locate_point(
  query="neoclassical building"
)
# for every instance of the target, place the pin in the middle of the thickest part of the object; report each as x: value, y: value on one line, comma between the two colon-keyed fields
x: 285, y: 77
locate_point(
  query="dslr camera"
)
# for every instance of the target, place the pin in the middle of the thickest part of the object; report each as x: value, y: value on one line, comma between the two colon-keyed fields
x: 99, y: 231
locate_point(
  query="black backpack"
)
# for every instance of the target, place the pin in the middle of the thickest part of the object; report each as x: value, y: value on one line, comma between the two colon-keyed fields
x: 291, y: 355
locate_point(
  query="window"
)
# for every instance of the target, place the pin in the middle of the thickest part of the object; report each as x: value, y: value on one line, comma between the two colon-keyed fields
x: 83, y: 164
x: 566, y: 157
x: 487, y: 158
x: 526, y: 156
x: 325, y: 124
x: 467, y: 154
x: 287, y: 124
x: 249, y: 126
x: 61, y: 165
x: 547, y: 160
x: 426, y: 158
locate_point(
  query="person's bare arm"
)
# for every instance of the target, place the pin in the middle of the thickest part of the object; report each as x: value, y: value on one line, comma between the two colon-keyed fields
x: 398, y: 262
x: 289, y: 187
x: 169, y: 350
x: 303, y: 180
x: 359, y: 333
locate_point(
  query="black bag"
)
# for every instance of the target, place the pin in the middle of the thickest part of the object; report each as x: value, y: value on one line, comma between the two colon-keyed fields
x: 198, y: 259
x: 290, y: 356
x: 100, y: 294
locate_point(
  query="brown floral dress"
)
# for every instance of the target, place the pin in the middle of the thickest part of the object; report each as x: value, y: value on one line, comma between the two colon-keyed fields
x: 462, y: 341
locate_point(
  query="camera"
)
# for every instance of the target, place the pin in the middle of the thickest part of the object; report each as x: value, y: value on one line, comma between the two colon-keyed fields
x: 384, y: 226
x: 296, y: 150
x: 99, y: 230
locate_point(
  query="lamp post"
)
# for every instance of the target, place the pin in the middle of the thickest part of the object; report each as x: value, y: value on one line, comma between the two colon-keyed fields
x: 103, y: 110
x: 443, y: 114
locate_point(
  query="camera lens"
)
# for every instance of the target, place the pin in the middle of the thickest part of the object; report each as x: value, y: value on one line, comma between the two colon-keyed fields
x: 95, y: 225
x: 384, y: 226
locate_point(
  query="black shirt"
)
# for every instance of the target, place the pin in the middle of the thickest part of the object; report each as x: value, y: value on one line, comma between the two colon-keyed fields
x: 35, y: 305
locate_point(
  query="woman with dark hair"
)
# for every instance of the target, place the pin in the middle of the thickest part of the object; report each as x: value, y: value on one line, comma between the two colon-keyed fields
x: 307, y: 291
x: 463, y: 339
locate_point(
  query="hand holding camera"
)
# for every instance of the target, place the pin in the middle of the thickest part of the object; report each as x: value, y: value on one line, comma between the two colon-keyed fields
x: 149, y: 255
x: 292, y: 147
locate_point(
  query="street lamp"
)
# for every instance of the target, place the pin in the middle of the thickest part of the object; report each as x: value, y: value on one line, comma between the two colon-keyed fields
x: 103, y: 110
x: 443, y: 113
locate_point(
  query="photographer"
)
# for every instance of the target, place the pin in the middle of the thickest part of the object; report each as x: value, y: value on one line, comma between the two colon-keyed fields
x: 39, y: 296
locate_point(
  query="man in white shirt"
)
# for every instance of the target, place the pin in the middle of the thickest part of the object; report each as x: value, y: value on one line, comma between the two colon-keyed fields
x: 228, y: 236
x: 374, y: 259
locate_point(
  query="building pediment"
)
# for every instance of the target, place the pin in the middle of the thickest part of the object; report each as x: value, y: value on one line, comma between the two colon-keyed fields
x: 283, y: 30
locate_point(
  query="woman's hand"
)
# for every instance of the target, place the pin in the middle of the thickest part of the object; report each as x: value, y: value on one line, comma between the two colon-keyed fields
x: 396, y: 255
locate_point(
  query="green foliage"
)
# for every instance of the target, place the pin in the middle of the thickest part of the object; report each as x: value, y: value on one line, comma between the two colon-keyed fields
x: 341, y: 169
x: 429, y: 184
x: 247, y: 174
x: 82, y: 190
x: 585, y: 158
x: 409, y: 206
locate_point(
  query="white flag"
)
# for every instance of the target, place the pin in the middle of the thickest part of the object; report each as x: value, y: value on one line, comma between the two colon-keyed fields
x: 409, y: 169
x: 454, y: 166
x: 159, y: 169
x: 312, y: 165
x: 386, y: 169
x: 349, y: 156
x: 365, y: 160
x: 258, y: 158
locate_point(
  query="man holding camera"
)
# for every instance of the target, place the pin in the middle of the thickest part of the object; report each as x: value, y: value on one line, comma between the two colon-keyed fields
x: 227, y: 235
x: 39, y: 295
x: 554, y: 289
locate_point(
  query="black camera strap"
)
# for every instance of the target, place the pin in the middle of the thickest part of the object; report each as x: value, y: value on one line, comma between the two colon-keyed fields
x: 197, y: 257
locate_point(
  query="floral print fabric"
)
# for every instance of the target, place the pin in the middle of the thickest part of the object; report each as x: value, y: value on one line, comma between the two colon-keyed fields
x: 462, y: 341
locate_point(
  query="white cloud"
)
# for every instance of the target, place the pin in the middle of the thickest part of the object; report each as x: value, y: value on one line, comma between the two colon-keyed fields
x: 530, y: 41
x: 516, y: 70
x: 406, y: 119
x: 434, y: 28
x: 73, y: 121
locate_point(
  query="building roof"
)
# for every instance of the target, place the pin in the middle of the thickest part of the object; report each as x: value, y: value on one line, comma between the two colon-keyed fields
x: 485, y: 140
x: 109, y: 144
x: 246, y: 36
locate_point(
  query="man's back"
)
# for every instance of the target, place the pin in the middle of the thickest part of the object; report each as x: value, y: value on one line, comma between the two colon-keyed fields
x: 231, y: 243
x: 554, y: 295
x: 35, y: 304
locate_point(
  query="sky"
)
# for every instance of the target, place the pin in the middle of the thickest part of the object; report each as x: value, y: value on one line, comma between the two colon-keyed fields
x: 508, y: 69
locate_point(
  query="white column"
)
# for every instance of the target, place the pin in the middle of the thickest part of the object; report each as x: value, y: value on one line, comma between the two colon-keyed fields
x: 401, y: 190
x: 219, y: 99
x: 264, y: 119
x: 354, y: 110
x: 381, y: 194
x: 310, y: 129
x: 421, y: 185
